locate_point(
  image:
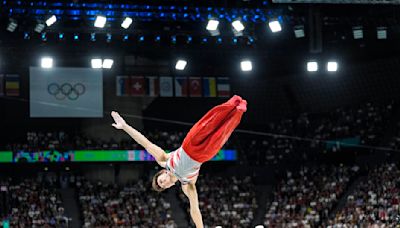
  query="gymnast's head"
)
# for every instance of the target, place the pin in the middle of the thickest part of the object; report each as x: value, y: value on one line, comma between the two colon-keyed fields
x: 163, y: 180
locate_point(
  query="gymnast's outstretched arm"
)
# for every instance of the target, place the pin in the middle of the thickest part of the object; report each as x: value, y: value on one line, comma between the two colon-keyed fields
x: 191, y: 192
x: 158, y: 153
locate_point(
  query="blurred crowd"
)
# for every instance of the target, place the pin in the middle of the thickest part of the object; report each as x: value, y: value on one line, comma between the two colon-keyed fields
x: 131, y: 205
x: 300, y: 138
x: 62, y: 141
x: 305, y: 198
x: 374, y: 202
x: 32, y: 203
x: 225, y: 201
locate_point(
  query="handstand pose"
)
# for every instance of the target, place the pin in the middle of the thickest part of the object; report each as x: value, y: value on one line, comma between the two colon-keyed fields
x: 201, y: 144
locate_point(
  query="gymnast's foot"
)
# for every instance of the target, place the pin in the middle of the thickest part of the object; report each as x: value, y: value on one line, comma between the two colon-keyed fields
x: 242, y: 106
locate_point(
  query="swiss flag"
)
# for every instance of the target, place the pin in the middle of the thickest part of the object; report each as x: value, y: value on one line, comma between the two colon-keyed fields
x: 195, y: 86
x: 137, y: 86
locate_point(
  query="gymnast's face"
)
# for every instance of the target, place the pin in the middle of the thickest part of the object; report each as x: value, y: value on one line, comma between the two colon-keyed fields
x: 165, y: 180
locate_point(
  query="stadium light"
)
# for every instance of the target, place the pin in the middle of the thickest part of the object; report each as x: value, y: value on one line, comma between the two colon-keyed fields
x: 275, y: 26
x: 312, y: 66
x: 39, y: 27
x: 381, y: 33
x: 332, y: 66
x: 12, y: 25
x: 180, y: 64
x: 47, y: 62
x: 51, y: 20
x: 97, y: 63
x: 100, y: 22
x: 238, y: 25
x: 107, y: 63
x: 246, y: 65
x: 299, y: 31
x: 358, y: 32
x: 126, y: 23
x: 212, y: 25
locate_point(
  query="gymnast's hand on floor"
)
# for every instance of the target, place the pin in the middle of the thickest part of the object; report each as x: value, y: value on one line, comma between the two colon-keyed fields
x: 119, y: 121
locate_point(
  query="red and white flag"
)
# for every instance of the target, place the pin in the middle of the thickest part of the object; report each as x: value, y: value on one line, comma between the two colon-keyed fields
x: 137, y: 86
x: 195, y: 87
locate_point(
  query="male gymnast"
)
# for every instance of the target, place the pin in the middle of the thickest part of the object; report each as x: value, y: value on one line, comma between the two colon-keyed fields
x: 201, y: 144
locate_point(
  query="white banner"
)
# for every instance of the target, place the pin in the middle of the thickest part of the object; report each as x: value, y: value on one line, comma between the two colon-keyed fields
x: 66, y: 92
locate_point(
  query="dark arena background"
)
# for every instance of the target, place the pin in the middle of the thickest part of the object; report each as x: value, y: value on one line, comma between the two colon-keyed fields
x: 318, y: 146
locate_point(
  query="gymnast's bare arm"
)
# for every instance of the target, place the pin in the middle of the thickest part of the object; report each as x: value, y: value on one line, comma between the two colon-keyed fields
x: 191, y: 192
x: 158, y: 153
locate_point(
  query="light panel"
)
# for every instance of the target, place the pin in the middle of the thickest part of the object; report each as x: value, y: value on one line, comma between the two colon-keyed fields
x: 275, y: 26
x: 107, y: 63
x: 47, y: 62
x: 299, y: 31
x: 332, y: 66
x: 96, y: 63
x: 126, y: 23
x: 100, y: 22
x: 246, y: 65
x: 238, y: 25
x: 312, y: 66
x: 381, y: 33
x: 358, y: 32
x: 51, y: 20
x: 39, y: 27
x: 12, y: 25
x: 181, y: 64
x: 212, y: 25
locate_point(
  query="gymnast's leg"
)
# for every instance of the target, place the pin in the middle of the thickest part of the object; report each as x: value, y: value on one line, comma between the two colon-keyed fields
x: 211, y: 132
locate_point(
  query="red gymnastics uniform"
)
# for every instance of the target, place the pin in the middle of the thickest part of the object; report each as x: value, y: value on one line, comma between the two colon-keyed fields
x: 206, y: 138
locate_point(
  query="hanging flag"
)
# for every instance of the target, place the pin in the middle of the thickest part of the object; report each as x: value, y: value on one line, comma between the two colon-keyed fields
x: 209, y: 87
x: 152, y: 86
x: 123, y: 85
x: 195, y: 86
x: 166, y: 87
x: 1, y: 85
x: 137, y: 86
x: 223, y: 87
x: 181, y: 87
x: 12, y: 85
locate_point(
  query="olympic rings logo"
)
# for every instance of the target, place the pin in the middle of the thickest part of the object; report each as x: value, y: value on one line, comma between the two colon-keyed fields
x: 66, y: 90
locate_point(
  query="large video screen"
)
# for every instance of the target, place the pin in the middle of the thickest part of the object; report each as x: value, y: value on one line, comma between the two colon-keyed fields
x: 93, y: 156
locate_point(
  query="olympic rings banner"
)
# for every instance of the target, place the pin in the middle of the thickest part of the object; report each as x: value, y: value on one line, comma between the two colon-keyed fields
x: 66, y: 92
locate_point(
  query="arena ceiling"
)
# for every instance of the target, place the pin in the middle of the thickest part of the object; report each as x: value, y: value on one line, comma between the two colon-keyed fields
x: 162, y: 27
x: 339, y: 1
